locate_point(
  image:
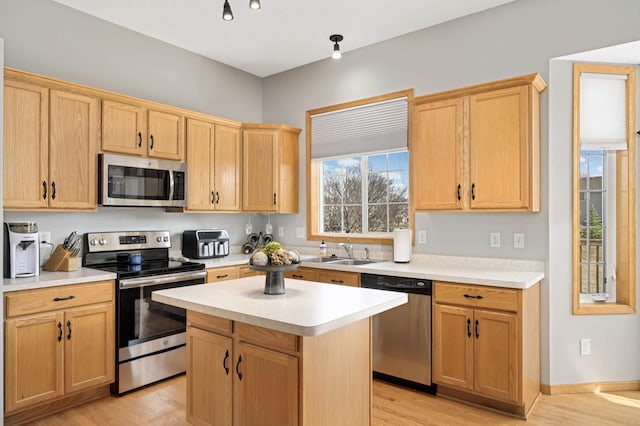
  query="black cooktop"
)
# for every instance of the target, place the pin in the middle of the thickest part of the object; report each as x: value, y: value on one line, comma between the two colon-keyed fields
x: 160, y: 267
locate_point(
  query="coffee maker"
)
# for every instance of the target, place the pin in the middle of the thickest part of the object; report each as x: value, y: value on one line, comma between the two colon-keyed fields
x: 21, y: 250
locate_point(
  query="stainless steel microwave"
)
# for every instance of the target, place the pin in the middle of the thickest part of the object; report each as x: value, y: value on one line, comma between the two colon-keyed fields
x: 145, y: 182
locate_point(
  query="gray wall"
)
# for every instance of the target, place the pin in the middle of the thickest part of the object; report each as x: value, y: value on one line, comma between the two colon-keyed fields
x: 514, y: 39
x: 50, y: 39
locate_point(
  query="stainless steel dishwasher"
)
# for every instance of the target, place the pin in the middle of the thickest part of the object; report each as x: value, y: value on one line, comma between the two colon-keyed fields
x: 402, y: 336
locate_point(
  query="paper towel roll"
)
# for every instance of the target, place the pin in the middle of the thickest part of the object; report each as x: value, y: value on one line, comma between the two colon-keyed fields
x: 401, y: 245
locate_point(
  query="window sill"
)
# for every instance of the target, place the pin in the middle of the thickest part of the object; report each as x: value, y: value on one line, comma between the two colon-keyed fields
x: 603, y: 309
x: 342, y: 238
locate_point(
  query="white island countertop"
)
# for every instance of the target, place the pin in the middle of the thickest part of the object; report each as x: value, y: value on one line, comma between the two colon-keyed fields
x: 306, y: 309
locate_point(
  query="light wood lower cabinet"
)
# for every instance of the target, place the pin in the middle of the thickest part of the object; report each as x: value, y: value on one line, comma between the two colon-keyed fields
x: 486, y: 345
x: 239, y: 374
x: 302, y: 273
x: 55, y: 348
x: 222, y: 274
x: 338, y: 277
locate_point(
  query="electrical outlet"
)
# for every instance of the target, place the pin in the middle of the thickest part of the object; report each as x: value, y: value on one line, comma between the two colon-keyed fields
x: 494, y: 239
x: 585, y: 347
x: 280, y: 231
x: 422, y: 236
x: 45, y: 236
x: 518, y: 240
x: 300, y: 232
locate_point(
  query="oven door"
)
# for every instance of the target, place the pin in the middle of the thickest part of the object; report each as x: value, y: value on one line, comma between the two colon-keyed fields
x: 132, y: 181
x: 145, y: 326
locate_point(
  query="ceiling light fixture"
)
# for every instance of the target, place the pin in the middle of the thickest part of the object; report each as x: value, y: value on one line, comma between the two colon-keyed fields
x: 227, y: 14
x: 254, y: 4
x: 336, y: 38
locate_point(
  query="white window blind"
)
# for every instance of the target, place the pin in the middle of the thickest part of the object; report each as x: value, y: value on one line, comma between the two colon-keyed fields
x: 603, y: 111
x: 380, y: 126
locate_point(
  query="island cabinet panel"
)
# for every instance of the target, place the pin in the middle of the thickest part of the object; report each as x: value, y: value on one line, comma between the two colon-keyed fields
x: 277, y: 378
x: 58, y: 346
x: 486, y: 345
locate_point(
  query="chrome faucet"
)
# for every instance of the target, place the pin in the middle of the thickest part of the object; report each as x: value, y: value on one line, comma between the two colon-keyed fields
x: 366, y: 253
x: 348, y: 248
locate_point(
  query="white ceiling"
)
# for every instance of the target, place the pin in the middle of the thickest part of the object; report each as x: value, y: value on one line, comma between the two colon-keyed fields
x: 284, y: 34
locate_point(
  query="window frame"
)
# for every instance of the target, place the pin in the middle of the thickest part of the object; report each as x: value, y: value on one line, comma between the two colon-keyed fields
x: 625, y: 196
x: 314, y: 174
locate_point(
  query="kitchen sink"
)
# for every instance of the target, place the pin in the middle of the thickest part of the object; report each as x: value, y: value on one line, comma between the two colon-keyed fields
x: 343, y: 261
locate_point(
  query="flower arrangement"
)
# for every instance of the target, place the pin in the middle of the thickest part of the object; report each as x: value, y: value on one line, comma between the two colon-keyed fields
x: 274, y: 254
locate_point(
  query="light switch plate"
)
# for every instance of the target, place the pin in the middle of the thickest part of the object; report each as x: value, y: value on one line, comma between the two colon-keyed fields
x: 422, y: 236
x: 280, y: 231
x: 518, y: 240
x: 494, y: 239
x: 300, y: 232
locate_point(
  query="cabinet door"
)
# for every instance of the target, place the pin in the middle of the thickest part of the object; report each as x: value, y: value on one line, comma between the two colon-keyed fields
x: 495, y: 354
x: 222, y: 274
x: 89, y: 347
x: 209, y: 391
x: 307, y: 274
x: 26, y: 145
x: 266, y: 387
x: 34, y: 350
x: 499, y: 149
x: 124, y: 128
x: 287, y: 189
x: 227, y: 164
x: 453, y: 346
x: 437, y: 155
x: 166, y: 135
x: 200, y: 179
x: 335, y: 277
x: 73, y: 146
x: 259, y: 170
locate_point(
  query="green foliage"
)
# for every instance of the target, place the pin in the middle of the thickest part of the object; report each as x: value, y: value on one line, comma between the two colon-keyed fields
x: 271, y: 247
x: 595, y: 226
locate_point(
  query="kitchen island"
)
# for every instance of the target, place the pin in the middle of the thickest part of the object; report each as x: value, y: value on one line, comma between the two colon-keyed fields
x: 302, y: 358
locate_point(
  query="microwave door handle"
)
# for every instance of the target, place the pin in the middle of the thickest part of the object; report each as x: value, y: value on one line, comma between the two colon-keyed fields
x: 171, y: 185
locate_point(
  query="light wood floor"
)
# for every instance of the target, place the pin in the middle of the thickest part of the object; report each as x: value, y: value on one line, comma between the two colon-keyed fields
x: 163, y: 404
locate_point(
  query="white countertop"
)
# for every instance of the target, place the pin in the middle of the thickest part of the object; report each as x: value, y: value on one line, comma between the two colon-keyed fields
x: 307, y: 308
x: 51, y: 279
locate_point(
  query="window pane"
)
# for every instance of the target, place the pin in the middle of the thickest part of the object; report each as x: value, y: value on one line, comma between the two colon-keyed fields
x: 350, y: 165
x: 399, y: 186
x: 353, y: 219
x: 398, y: 216
x: 377, y: 163
x: 399, y: 160
x: 378, y: 218
x: 333, y: 189
x: 378, y: 188
x: 353, y: 189
x: 332, y: 219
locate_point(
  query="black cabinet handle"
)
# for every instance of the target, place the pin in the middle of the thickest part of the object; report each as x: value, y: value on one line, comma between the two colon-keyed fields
x: 213, y: 197
x: 459, y: 197
x: 337, y: 281
x: 274, y: 198
x: 296, y: 276
x: 477, y: 334
x: 44, y: 189
x: 238, y: 367
x: 59, y: 331
x: 53, y: 188
x: 217, y: 197
x: 468, y: 327
x: 139, y: 139
x: 152, y: 142
x: 69, y: 328
x: 470, y: 296
x: 222, y: 276
x: 473, y: 191
x: 60, y: 299
x: 224, y: 362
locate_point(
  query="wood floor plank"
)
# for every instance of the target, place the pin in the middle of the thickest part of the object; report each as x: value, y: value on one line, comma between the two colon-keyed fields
x: 164, y: 404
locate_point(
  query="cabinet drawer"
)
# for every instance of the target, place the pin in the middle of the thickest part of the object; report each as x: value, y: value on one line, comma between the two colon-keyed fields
x: 245, y: 271
x: 56, y: 298
x: 301, y: 274
x: 222, y: 274
x: 344, y: 278
x: 476, y: 296
x: 267, y: 338
x: 208, y: 322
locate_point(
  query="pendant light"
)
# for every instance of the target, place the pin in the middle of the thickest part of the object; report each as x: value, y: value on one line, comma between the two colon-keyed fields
x: 227, y: 14
x: 336, y: 38
x: 254, y: 4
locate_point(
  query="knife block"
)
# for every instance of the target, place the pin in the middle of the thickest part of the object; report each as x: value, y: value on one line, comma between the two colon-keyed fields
x: 61, y: 260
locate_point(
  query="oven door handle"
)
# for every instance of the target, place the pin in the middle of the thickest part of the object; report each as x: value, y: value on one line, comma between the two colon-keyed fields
x: 161, y: 279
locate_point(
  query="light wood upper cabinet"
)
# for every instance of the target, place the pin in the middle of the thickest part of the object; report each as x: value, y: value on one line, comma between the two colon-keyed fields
x: 214, y: 162
x: 486, y: 343
x: 51, y: 140
x: 270, y: 168
x: 26, y: 145
x: 477, y: 148
x: 124, y: 128
x: 140, y: 129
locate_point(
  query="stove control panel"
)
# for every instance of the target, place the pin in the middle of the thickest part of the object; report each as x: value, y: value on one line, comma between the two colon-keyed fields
x: 129, y: 240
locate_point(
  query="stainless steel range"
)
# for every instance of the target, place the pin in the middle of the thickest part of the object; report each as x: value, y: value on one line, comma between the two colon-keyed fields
x: 150, y: 336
